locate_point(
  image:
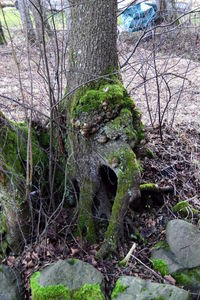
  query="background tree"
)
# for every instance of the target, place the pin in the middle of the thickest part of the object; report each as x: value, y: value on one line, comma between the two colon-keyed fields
x: 24, y: 9
x: 68, y: 19
x: 103, y: 125
x: 39, y: 11
x: 2, y: 36
x: 167, y: 9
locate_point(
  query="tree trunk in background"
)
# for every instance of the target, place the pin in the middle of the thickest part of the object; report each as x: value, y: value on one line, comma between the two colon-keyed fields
x: 167, y: 9
x: 39, y: 11
x: 2, y: 37
x: 24, y: 9
x: 68, y: 20
x: 103, y: 126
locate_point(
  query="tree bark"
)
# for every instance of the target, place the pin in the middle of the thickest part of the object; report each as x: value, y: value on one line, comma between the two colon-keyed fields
x: 167, y: 10
x: 103, y: 126
x: 68, y: 20
x: 39, y: 11
x: 27, y: 24
x: 2, y: 37
x: 93, y: 40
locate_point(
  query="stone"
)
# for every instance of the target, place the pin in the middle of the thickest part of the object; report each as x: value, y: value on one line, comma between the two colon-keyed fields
x: 182, y: 256
x: 68, y: 279
x: 168, y: 257
x: 11, y: 285
x: 133, y: 288
x: 183, y: 239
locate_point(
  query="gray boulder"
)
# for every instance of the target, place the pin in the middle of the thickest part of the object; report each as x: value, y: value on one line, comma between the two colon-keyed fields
x: 183, y: 239
x: 169, y: 258
x: 68, y: 279
x: 133, y: 288
x: 183, y: 256
x: 11, y: 286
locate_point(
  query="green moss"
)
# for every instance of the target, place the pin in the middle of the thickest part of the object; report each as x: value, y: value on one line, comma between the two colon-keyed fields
x: 149, y: 153
x: 57, y: 292
x: 89, y: 292
x: 188, y: 278
x: 85, y: 223
x: 184, y: 208
x: 13, y: 140
x: 3, y: 223
x: 161, y: 245
x: 161, y: 266
x: 89, y: 98
x: 119, y: 288
x: 127, y: 174
x: 13, y: 157
x: 150, y: 187
x: 60, y: 292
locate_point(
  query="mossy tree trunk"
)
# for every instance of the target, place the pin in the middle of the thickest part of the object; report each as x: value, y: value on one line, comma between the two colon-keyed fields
x: 103, y: 125
x: 2, y: 36
x: 15, y: 209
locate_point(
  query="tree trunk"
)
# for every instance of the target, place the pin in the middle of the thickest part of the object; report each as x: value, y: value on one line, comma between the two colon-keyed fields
x: 68, y: 20
x: 39, y: 11
x: 2, y: 37
x: 167, y: 9
x: 103, y: 125
x: 27, y: 24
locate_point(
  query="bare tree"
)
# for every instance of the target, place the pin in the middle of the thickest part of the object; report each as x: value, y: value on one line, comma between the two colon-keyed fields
x: 39, y: 11
x: 167, y: 9
x: 24, y: 9
x: 2, y: 36
x: 68, y: 19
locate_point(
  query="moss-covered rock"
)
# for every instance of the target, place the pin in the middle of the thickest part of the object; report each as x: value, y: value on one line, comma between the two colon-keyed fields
x: 118, y: 289
x: 129, y: 287
x: 66, y: 280
x: 13, y: 156
x: 188, y: 278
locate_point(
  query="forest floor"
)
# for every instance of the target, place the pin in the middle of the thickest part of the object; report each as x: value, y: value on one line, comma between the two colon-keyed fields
x: 176, y: 160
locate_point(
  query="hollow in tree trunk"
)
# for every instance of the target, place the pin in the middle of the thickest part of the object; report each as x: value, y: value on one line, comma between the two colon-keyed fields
x: 103, y: 126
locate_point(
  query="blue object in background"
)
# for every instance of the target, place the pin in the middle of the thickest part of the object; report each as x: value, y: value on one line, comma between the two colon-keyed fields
x: 139, y: 16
